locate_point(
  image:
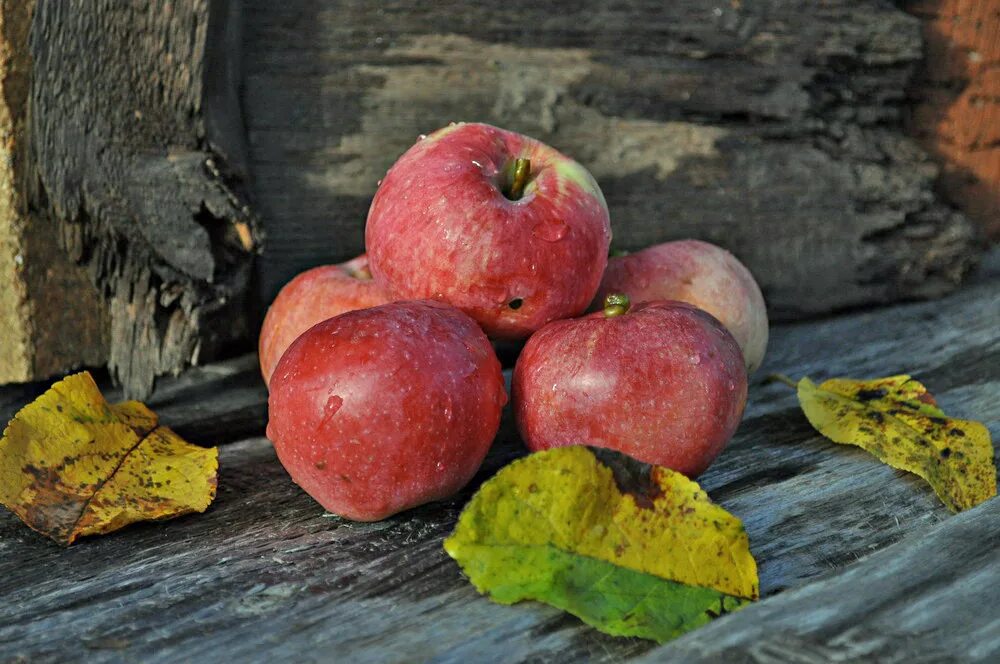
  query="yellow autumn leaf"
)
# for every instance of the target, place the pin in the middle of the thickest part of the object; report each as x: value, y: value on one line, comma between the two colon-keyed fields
x: 631, y: 549
x: 898, y: 421
x: 73, y: 465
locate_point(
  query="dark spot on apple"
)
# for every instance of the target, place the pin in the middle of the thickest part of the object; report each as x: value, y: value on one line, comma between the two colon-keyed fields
x: 940, y: 421
x: 945, y: 453
x: 876, y: 417
x: 320, y: 465
x: 515, y: 303
x: 958, y: 433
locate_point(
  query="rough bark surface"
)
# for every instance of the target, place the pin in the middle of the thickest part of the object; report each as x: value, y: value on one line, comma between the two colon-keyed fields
x: 772, y: 128
x: 51, y: 318
x: 136, y: 152
x: 266, y: 576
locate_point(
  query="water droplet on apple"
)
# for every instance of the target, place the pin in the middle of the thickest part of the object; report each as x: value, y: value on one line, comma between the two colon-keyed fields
x: 440, y: 466
x: 421, y: 137
x: 378, y: 184
x: 551, y: 230
x: 695, y: 359
x: 333, y: 404
x: 732, y: 386
x: 476, y: 164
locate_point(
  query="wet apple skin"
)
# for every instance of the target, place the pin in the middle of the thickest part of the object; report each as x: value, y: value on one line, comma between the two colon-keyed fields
x: 701, y: 274
x: 440, y: 227
x: 379, y: 410
x: 664, y: 383
x: 313, y: 296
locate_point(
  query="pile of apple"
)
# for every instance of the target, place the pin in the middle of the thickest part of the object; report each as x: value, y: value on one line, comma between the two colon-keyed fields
x: 385, y: 391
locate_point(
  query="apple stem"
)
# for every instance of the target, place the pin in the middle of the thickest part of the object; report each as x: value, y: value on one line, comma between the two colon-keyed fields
x: 616, y: 304
x: 522, y: 169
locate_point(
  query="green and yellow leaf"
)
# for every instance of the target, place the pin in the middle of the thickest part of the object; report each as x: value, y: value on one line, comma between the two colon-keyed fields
x: 653, y: 559
x: 73, y: 465
x: 898, y: 421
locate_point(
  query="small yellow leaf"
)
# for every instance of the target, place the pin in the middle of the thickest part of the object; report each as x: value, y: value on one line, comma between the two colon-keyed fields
x: 629, y: 548
x: 73, y: 465
x: 898, y: 421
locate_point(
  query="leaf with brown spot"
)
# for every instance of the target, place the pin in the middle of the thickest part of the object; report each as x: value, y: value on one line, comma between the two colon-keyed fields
x: 73, y: 465
x: 898, y: 421
x: 631, y: 549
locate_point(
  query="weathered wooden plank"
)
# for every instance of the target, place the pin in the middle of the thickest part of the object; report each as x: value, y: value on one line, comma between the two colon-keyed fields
x: 772, y: 128
x: 928, y: 599
x: 135, y: 159
x: 266, y: 575
x: 51, y: 317
x: 209, y: 405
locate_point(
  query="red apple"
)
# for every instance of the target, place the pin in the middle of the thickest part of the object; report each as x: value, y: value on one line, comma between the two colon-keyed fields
x: 379, y: 410
x: 313, y: 296
x: 498, y: 224
x: 663, y: 382
x: 702, y: 274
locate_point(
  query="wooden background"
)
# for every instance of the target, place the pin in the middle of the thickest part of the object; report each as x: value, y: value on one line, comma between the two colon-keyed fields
x: 858, y: 562
x: 772, y: 128
x: 154, y: 150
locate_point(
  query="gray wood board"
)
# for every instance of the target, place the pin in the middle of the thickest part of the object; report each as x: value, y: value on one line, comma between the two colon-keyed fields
x: 771, y: 128
x: 136, y: 158
x: 931, y: 598
x: 209, y: 405
x: 265, y: 575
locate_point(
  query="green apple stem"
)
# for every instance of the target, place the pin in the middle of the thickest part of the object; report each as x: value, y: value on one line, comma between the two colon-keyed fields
x: 522, y: 169
x: 616, y: 304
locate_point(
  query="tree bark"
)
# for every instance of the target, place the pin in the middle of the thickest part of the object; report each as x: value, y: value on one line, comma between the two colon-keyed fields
x: 134, y: 153
x: 772, y: 128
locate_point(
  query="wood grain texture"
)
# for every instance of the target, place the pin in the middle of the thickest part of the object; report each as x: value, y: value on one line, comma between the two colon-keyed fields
x: 772, y: 128
x: 51, y: 318
x: 927, y: 599
x: 265, y: 575
x: 209, y: 405
x: 140, y: 187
